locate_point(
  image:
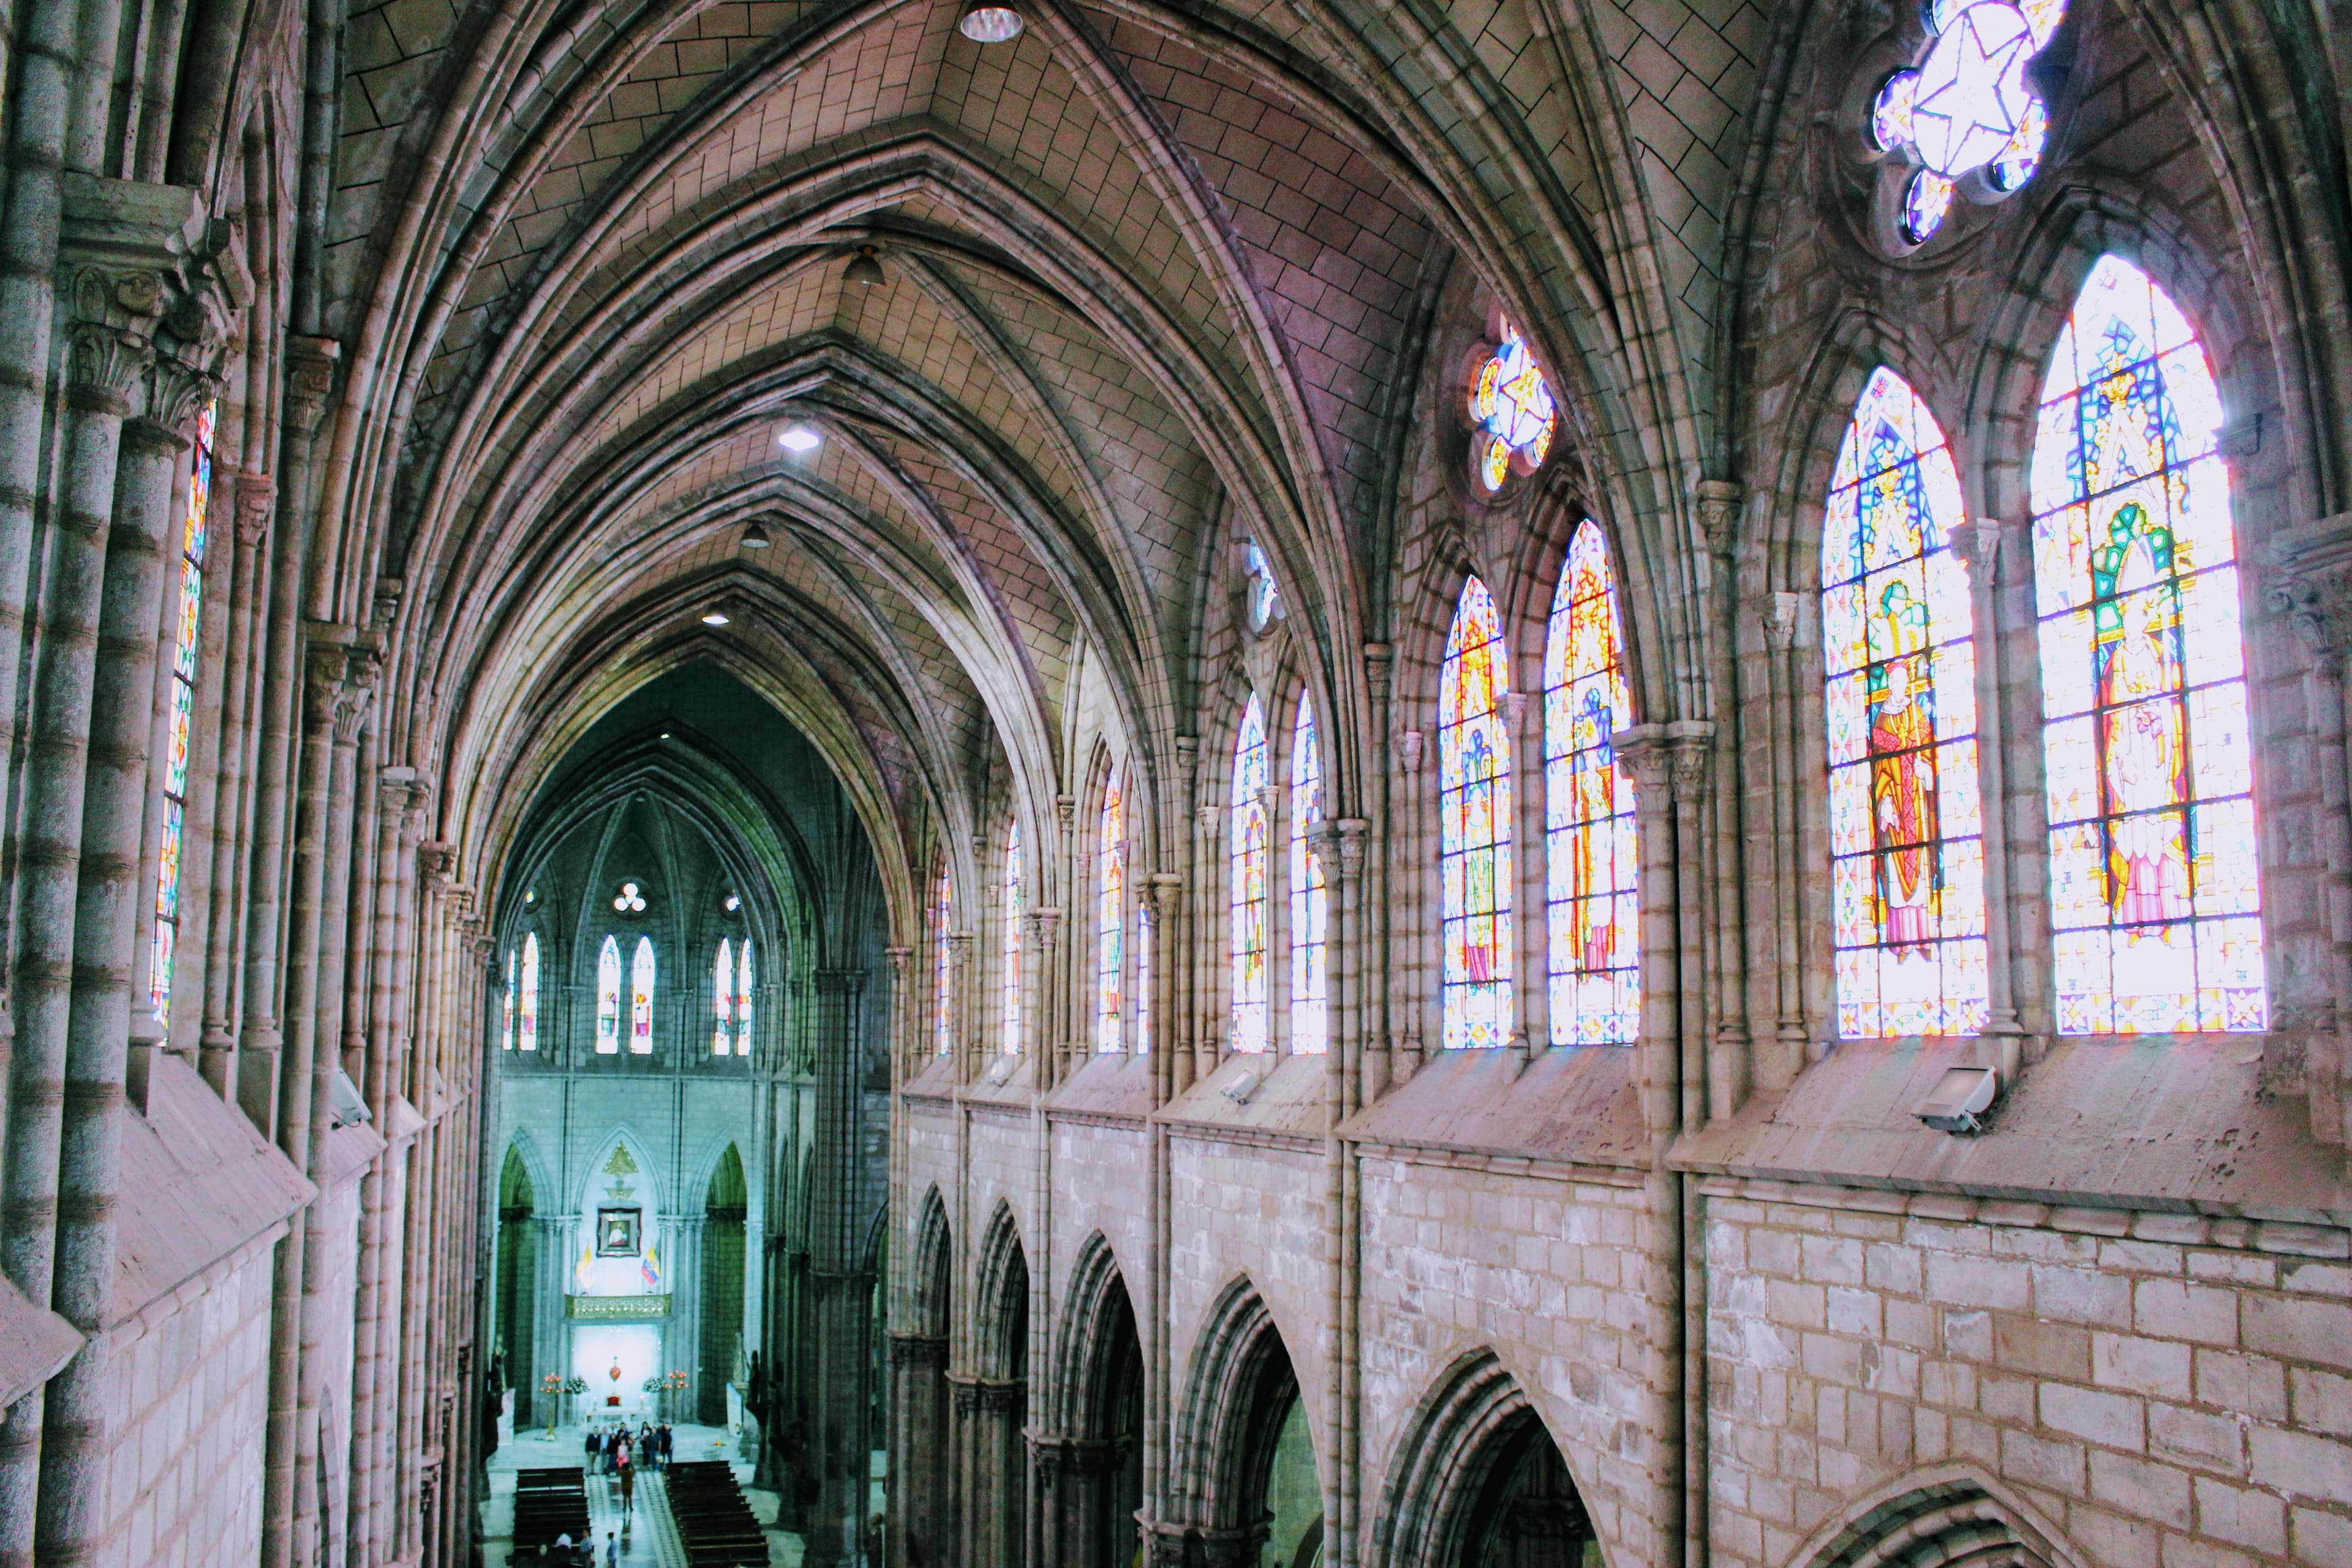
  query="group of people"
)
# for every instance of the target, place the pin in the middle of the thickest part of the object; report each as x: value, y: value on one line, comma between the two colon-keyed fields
x: 617, y: 1450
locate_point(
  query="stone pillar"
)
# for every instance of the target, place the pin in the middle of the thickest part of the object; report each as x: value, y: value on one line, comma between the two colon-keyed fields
x: 1778, y: 1068
x: 922, y: 1523
x: 1977, y: 543
x: 835, y: 1367
x: 232, y: 808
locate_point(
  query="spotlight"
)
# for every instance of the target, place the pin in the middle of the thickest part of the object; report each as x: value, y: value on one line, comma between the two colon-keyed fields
x: 986, y: 24
x: 755, y: 538
x: 800, y: 438
x: 714, y: 616
x: 863, y: 269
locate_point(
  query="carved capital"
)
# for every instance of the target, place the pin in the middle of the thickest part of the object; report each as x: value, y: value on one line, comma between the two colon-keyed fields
x: 1718, y: 502
x: 898, y: 957
x: 112, y: 335
x: 1976, y: 541
x: 2309, y: 584
x: 1647, y: 754
x: 1409, y: 746
x: 1689, y: 743
x: 357, y: 693
x: 1380, y: 665
x: 257, y: 496
x: 1778, y: 613
x: 1351, y: 831
x: 309, y: 379
x: 436, y: 857
x: 1167, y: 887
x: 322, y: 679
x: 1515, y: 713
x: 1064, y: 807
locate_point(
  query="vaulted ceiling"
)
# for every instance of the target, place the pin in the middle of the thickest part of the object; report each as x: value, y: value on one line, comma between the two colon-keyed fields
x: 1154, y: 277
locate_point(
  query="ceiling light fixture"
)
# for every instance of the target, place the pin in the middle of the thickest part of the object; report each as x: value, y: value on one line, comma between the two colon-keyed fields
x: 986, y: 24
x: 714, y: 616
x: 755, y: 538
x: 864, y: 270
x: 800, y: 438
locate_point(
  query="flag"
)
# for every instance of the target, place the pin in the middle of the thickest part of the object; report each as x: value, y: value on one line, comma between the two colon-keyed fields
x: 587, y: 1262
x: 650, y: 1267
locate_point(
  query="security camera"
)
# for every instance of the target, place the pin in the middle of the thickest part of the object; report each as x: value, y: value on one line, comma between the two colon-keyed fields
x: 1961, y: 1096
x: 1238, y: 1091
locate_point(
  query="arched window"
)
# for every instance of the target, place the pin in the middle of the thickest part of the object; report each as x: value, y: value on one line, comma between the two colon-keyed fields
x: 1110, y: 919
x: 1592, y: 861
x: 1248, y: 892
x: 641, y: 998
x: 943, y: 1033
x: 527, y: 1024
x: 507, y: 1012
x: 1474, y: 799
x: 1907, y: 859
x: 608, y: 997
x: 1012, y: 1046
x: 743, y: 1000
x: 2153, y: 894
x: 193, y: 532
x: 722, y: 987
x: 1311, y: 1029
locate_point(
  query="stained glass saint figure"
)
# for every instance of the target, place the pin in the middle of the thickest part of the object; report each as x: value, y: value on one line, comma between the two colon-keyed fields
x: 1591, y: 864
x: 1473, y: 780
x: 1248, y: 877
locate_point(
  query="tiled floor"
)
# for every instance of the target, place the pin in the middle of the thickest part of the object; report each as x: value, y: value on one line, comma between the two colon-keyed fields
x: 647, y: 1538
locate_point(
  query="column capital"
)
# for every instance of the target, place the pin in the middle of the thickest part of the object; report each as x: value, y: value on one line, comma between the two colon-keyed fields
x: 256, y: 497
x: 1718, y: 502
x: 1977, y: 542
x: 1780, y: 613
x: 309, y: 379
x: 2308, y: 581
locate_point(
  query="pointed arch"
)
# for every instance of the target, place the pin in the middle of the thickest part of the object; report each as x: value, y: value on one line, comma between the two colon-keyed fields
x: 1239, y: 1387
x: 608, y: 996
x: 1310, y: 898
x: 1473, y: 1443
x: 1949, y: 1514
x: 1475, y: 811
x: 1000, y: 1299
x: 2155, y: 890
x: 1591, y: 850
x: 1906, y: 819
x: 1246, y: 888
x: 933, y: 1284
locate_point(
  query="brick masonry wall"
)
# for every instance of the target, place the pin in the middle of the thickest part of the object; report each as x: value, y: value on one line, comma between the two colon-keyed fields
x: 183, y: 1480
x: 2160, y: 1389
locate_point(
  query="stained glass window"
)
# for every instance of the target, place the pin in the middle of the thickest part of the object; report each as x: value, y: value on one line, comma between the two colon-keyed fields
x: 527, y: 1024
x: 2154, y: 892
x: 1592, y: 869
x: 1013, y: 907
x: 193, y: 532
x: 1474, y: 785
x: 608, y: 997
x: 722, y: 1000
x: 1265, y: 597
x: 743, y: 1000
x: 1513, y: 408
x: 1247, y: 891
x: 1967, y: 105
x: 506, y: 1021
x: 641, y: 998
x: 1906, y: 819
x: 942, y: 1025
x: 1310, y: 1024
x: 1110, y: 919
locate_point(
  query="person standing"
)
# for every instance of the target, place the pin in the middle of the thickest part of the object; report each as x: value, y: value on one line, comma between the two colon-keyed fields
x: 612, y: 1549
x: 628, y: 1487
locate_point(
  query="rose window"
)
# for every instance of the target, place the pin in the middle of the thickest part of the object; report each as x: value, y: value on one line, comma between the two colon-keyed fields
x: 1965, y: 107
x: 1512, y: 406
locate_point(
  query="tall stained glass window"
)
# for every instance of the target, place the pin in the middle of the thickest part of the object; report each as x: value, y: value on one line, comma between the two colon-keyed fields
x: 507, y: 1017
x: 942, y: 1025
x: 1110, y: 921
x: 608, y: 997
x: 723, y: 999
x: 1474, y: 801
x: 2153, y: 893
x: 743, y: 1000
x: 527, y: 1020
x: 641, y: 998
x: 1013, y: 910
x: 1906, y: 819
x: 1592, y: 866
x: 1311, y: 1027
x: 193, y: 532
x: 1248, y: 890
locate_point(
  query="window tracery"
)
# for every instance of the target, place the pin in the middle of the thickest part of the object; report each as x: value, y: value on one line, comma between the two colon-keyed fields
x: 1474, y: 771
x: 1966, y: 106
x: 1248, y: 870
x: 608, y: 997
x: 194, y: 534
x: 1905, y: 818
x: 1110, y: 919
x: 2154, y: 890
x: 1512, y: 406
x: 1310, y: 1025
x: 1592, y: 864
x: 641, y: 998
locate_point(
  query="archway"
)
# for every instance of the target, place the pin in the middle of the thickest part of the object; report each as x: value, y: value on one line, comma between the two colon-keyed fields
x: 993, y: 1410
x: 517, y: 1289
x: 725, y: 1208
x: 1251, y: 1489
x: 922, y: 1481
x: 1091, y: 1478
x: 1480, y: 1483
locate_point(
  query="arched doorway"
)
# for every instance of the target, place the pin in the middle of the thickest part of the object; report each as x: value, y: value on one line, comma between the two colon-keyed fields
x: 922, y: 1482
x: 517, y: 1287
x: 725, y: 1208
x: 1481, y: 1484
x: 993, y: 1410
x: 1091, y: 1481
x: 1256, y: 1496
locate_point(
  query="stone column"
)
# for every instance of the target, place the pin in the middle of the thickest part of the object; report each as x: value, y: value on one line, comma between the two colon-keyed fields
x: 835, y: 1368
x: 1412, y: 940
x: 1977, y: 542
x: 232, y: 808
x: 1724, y: 904
x: 922, y: 1522
x: 111, y: 325
x: 1779, y: 1068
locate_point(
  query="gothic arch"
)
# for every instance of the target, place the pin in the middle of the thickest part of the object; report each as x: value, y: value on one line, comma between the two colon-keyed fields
x: 1239, y: 1383
x: 1950, y: 1515
x: 1475, y: 1421
x: 1000, y: 1299
x: 930, y: 1285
